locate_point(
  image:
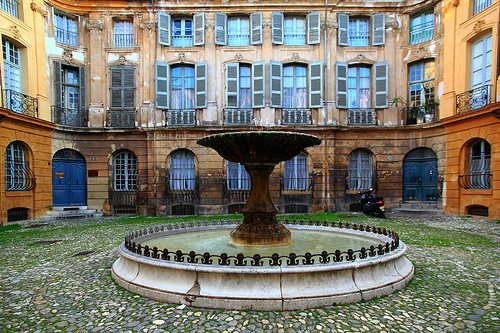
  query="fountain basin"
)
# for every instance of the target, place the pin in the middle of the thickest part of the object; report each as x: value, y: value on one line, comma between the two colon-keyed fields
x: 282, y: 287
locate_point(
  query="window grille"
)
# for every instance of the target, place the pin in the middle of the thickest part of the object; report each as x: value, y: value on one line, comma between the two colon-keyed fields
x: 124, y: 34
x: 359, y: 32
x: 296, y: 116
x: 476, y: 173
x: 362, y: 117
x: 125, y: 172
x: 182, y: 32
x: 238, y: 116
x: 18, y: 175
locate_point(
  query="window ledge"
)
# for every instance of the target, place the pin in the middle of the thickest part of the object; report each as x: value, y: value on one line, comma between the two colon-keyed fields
x: 123, y: 49
x: 18, y: 193
x: 477, y: 192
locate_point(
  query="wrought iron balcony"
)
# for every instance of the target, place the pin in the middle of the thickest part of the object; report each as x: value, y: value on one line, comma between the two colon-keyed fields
x: 69, y: 117
x: 296, y: 116
x: 361, y: 117
x: 238, y: 116
x: 474, y: 99
x: 181, y: 191
x: 120, y: 118
x: 21, y: 103
x: 181, y: 117
x: 124, y: 40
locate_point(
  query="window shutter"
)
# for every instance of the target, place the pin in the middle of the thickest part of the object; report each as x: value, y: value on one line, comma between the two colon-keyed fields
x: 57, y: 84
x: 378, y: 29
x: 129, y: 87
x: 343, y: 22
x: 232, y: 85
x: 256, y: 26
x: 313, y: 28
x: 162, y: 85
x: 341, y: 85
x: 199, y: 29
x: 83, y: 88
x: 277, y: 28
x: 164, y: 28
x: 116, y: 87
x: 316, y: 84
x: 220, y: 28
x: 381, y: 84
x: 276, y: 84
x: 258, y: 86
x: 200, y: 70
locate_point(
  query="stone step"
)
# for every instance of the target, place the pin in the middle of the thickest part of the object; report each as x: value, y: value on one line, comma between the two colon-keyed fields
x: 70, y: 213
x: 418, y: 208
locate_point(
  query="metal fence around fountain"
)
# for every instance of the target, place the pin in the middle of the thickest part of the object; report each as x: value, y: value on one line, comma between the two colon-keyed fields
x: 292, y: 259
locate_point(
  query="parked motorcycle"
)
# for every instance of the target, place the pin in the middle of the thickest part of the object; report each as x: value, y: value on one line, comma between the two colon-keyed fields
x: 372, y: 205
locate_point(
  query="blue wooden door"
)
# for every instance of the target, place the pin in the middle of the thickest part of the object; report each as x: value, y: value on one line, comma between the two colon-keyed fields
x: 68, y: 183
x: 420, y: 180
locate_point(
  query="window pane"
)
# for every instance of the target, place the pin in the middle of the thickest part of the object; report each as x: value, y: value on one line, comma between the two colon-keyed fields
x: 295, y: 31
x: 359, y: 32
x: 238, y: 31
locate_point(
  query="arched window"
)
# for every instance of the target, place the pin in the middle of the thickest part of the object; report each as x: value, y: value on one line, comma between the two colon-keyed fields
x: 237, y: 177
x: 360, y: 170
x: 182, y: 170
x: 297, y: 173
x: 477, y: 169
x: 18, y: 175
x: 125, y: 172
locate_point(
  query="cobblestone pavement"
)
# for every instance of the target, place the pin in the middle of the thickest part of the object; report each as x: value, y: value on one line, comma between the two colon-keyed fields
x: 46, y: 287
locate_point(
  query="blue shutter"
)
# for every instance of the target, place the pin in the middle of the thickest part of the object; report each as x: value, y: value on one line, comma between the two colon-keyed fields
x: 313, y: 28
x: 278, y: 28
x: 256, y: 28
x: 276, y: 84
x: 341, y: 69
x: 201, y: 85
x: 164, y: 28
x: 199, y: 29
x: 162, y: 85
x: 220, y: 28
x: 83, y: 91
x: 378, y: 29
x: 381, y: 84
x: 258, y: 84
x: 316, y: 84
x: 343, y: 29
x: 57, y: 84
x: 232, y: 85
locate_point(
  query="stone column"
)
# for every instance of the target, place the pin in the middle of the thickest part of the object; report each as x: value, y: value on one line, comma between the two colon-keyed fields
x: 95, y: 71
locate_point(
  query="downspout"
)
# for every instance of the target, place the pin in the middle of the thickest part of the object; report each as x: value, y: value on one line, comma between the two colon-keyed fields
x: 155, y: 177
x: 325, y: 141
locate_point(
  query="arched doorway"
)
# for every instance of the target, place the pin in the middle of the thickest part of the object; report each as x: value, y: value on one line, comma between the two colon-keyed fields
x: 69, y: 184
x: 420, y: 176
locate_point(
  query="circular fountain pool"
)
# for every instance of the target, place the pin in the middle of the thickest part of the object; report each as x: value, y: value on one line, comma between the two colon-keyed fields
x: 371, y: 264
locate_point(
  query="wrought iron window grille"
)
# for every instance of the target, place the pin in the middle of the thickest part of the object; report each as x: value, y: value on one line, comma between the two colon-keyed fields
x: 21, y: 103
x: 362, y: 117
x: 182, y: 190
x: 296, y: 116
x: 124, y: 202
x: 238, y: 116
x: 120, y: 118
x: 19, y: 177
x: 181, y: 117
x: 476, y: 174
x: 69, y: 117
x: 474, y: 99
x: 124, y: 40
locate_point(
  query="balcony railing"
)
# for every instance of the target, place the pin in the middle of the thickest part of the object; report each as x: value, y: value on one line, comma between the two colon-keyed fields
x: 20, y: 103
x: 182, y: 191
x: 124, y: 40
x: 181, y: 117
x: 296, y: 116
x: 421, y: 32
x: 69, y: 117
x: 362, y: 117
x: 10, y: 6
x: 182, y: 40
x: 238, y: 116
x: 474, y: 99
x: 66, y: 37
x: 120, y: 118
x: 295, y: 36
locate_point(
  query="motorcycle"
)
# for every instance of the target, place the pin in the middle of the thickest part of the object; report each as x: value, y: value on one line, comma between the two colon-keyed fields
x: 372, y: 205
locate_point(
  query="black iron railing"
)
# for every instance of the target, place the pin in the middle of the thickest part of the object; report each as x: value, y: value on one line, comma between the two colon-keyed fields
x: 182, y: 191
x: 20, y: 103
x: 476, y: 173
x: 361, y: 117
x: 123, y: 202
x: 120, y: 118
x: 238, y: 116
x: 474, y: 99
x: 69, y: 117
x: 296, y: 116
x: 292, y: 259
x: 19, y: 178
x: 185, y: 117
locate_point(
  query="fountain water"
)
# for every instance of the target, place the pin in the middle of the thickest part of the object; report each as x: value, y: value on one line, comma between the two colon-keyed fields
x: 262, y: 282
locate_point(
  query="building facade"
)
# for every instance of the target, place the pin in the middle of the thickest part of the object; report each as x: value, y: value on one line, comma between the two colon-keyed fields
x: 132, y: 85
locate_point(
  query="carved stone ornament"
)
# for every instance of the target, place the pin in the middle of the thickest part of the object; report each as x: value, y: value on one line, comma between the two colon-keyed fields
x: 479, y: 26
x: 295, y: 56
x: 67, y: 56
x: 238, y: 56
x: 360, y: 59
x: 36, y: 8
x: 209, y: 25
x: 182, y: 57
x: 122, y: 60
x: 450, y: 5
x: 391, y: 24
x: 95, y: 26
x: 147, y: 26
x: 15, y: 31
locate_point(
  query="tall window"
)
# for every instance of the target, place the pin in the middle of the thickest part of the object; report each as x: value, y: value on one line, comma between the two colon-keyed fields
x: 70, y: 88
x: 10, y: 6
x: 358, y: 89
x: 238, y: 31
x: 182, y: 32
x: 480, y: 5
x: 295, y: 31
x: 360, y: 170
x: 66, y: 30
x: 125, y: 172
x: 18, y: 176
x: 477, y: 170
x: 182, y: 170
x: 237, y: 177
x: 422, y: 27
x: 294, y: 87
x: 481, y: 61
x: 297, y: 173
x: 359, y: 31
x: 182, y: 87
x: 421, y: 85
x: 242, y: 97
x: 123, y: 34
x: 12, y: 75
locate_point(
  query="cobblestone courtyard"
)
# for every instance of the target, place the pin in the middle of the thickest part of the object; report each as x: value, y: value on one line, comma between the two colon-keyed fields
x: 51, y: 281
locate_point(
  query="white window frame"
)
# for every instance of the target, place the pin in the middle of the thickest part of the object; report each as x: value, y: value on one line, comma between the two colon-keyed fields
x: 424, y: 30
x: 15, y: 164
x: 360, y: 173
x: 358, y: 37
x: 185, y: 38
x: 239, y: 35
x: 123, y: 28
x: 294, y: 35
x: 65, y: 29
x: 480, y: 5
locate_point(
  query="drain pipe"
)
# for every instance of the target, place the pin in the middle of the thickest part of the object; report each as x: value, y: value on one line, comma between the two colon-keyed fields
x: 155, y: 177
x: 326, y: 66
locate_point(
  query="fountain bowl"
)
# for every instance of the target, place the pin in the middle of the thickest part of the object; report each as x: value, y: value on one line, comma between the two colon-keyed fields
x: 291, y: 282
